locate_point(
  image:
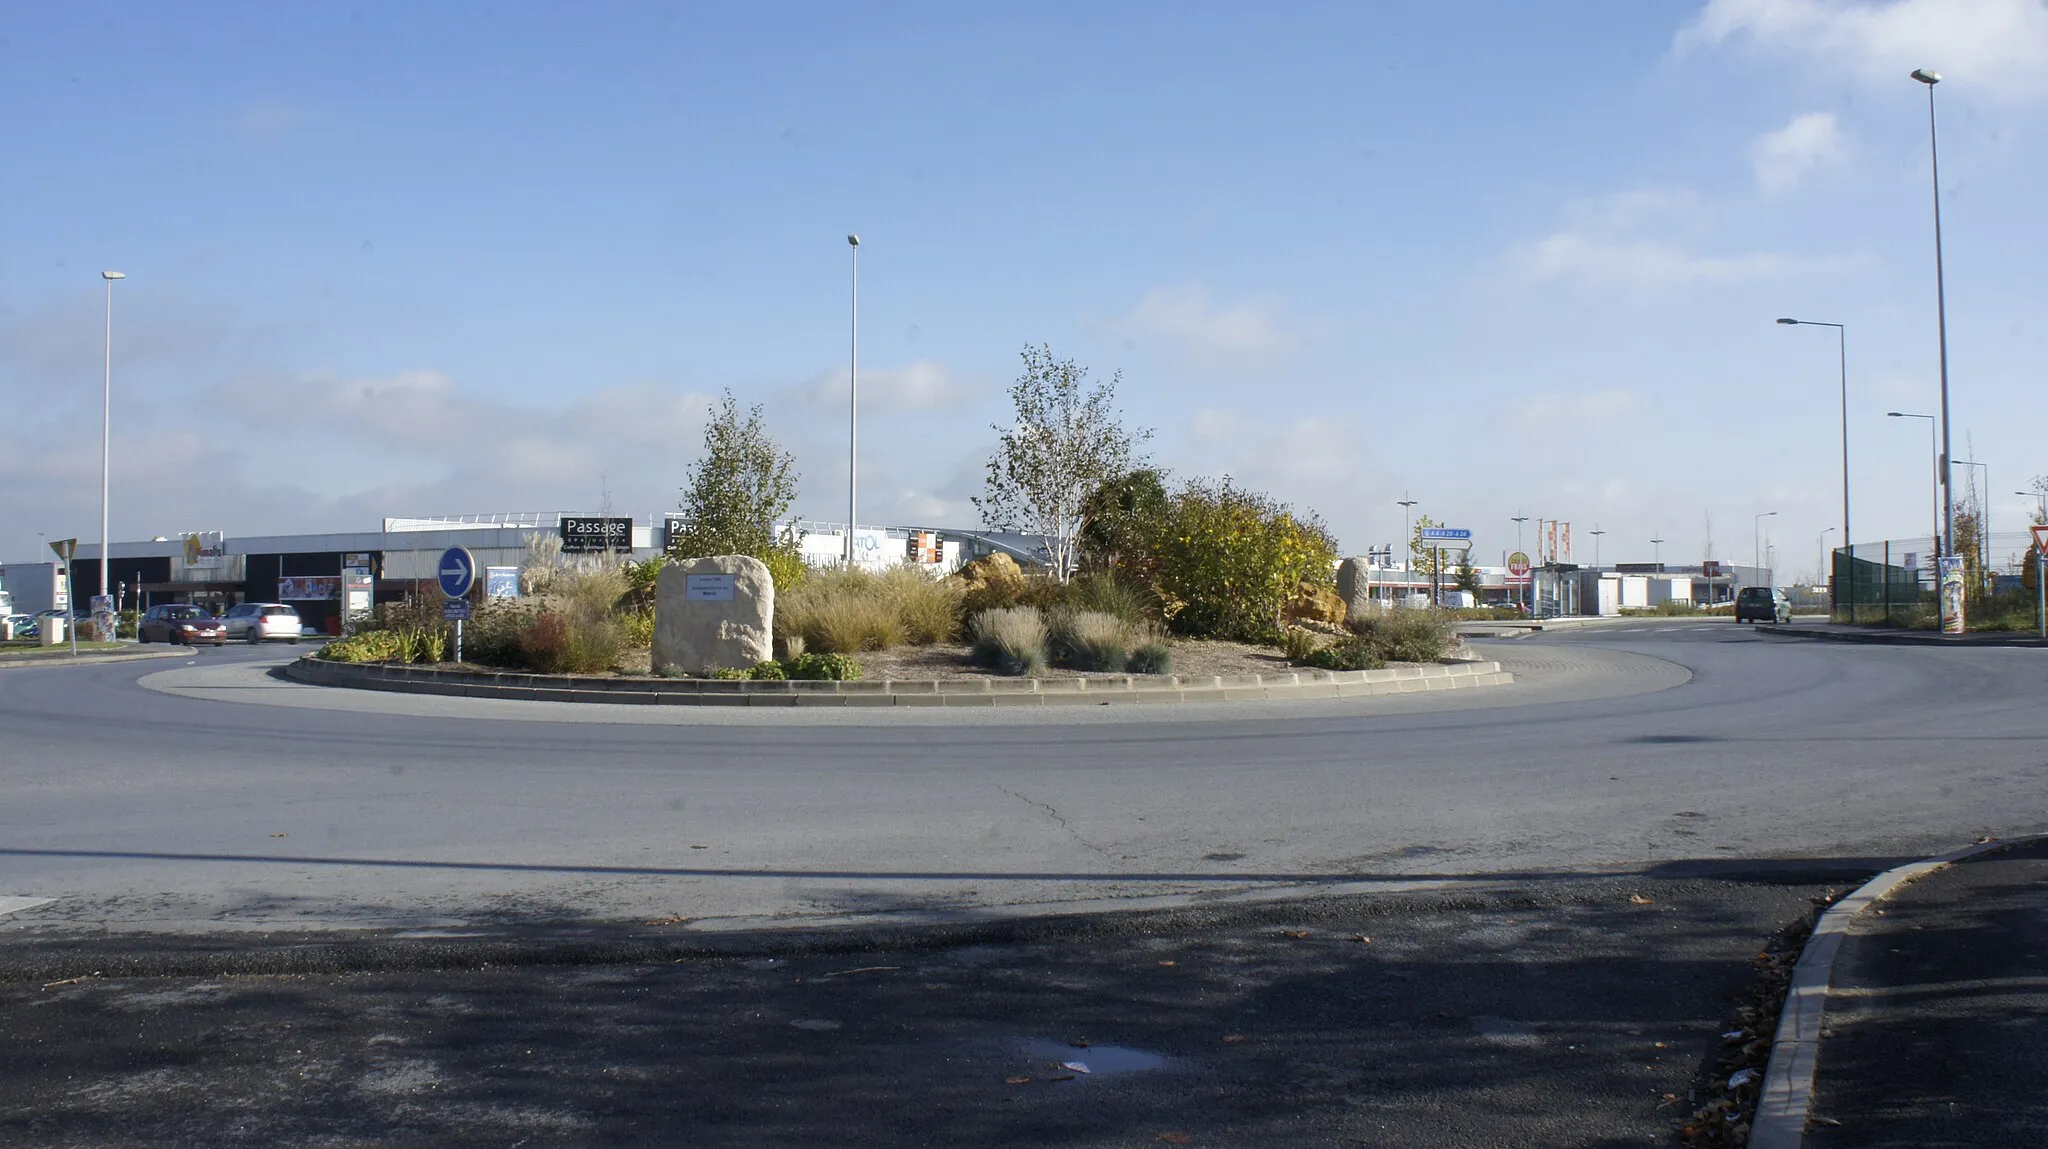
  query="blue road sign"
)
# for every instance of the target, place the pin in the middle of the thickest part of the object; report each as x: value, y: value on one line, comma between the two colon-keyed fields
x: 457, y: 572
x: 455, y: 610
x: 1446, y: 535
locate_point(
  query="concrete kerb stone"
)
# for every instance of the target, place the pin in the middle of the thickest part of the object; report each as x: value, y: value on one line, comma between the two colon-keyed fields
x: 1786, y: 1098
x: 899, y: 692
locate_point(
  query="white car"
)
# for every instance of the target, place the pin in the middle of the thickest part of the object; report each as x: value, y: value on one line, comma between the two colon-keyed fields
x: 255, y: 622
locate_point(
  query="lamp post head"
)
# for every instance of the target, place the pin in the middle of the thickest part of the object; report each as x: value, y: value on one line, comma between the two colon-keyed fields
x: 1789, y: 322
x: 112, y: 275
x: 853, y: 241
x: 1926, y: 77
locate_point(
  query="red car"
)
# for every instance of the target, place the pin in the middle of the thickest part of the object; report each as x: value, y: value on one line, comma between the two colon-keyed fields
x: 181, y: 622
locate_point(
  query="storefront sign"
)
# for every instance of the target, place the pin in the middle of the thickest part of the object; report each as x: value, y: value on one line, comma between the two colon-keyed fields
x: 308, y: 588
x: 501, y: 582
x: 205, y: 549
x: 586, y: 536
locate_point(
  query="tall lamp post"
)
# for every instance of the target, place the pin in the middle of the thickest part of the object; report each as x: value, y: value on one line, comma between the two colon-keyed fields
x: 1934, y: 460
x: 1407, y: 541
x: 1821, y: 555
x: 1848, y: 538
x: 106, y: 424
x: 2041, y: 495
x: 1657, y: 551
x: 1756, y: 553
x: 852, y: 400
x: 1596, y: 532
x: 1948, y: 494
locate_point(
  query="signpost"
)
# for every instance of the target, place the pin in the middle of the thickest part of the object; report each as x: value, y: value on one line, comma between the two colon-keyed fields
x: 456, y: 573
x: 66, y: 548
x: 1446, y: 535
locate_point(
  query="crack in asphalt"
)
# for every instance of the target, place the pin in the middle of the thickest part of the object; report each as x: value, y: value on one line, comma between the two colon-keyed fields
x: 1056, y: 816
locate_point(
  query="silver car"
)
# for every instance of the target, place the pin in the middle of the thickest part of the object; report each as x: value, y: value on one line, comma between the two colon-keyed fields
x: 255, y: 622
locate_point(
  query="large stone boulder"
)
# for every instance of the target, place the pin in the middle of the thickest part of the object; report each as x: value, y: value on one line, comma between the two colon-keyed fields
x: 1354, y: 585
x: 714, y: 614
x: 1311, y: 603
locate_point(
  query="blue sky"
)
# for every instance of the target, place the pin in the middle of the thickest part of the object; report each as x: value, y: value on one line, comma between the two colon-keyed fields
x: 1509, y: 258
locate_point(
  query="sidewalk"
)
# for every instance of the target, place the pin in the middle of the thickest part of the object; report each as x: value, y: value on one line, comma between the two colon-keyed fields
x: 1937, y: 1017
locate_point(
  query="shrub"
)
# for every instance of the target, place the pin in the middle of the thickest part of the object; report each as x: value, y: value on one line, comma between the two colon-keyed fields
x: 846, y: 611
x: 370, y: 646
x: 544, y: 643
x: 1407, y: 635
x: 593, y: 647
x: 492, y: 636
x: 636, y: 627
x: 1107, y: 594
x: 1355, y: 653
x: 1153, y: 657
x: 770, y: 672
x: 588, y: 596
x: 929, y: 608
x: 792, y: 646
x: 1298, y: 644
x: 830, y: 667
x: 1229, y: 559
x: 786, y: 568
x: 728, y: 673
x: 1011, y: 640
x: 1091, y: 640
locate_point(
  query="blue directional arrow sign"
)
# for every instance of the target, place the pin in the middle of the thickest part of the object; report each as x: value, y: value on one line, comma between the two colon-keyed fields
x: 457, y: 572
x: 1446, y: 535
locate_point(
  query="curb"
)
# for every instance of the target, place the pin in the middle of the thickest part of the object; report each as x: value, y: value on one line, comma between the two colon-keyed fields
x: 84, y: 659
x: 1787, y: 1094
x: 987, y: 692
x: 1911, y: 637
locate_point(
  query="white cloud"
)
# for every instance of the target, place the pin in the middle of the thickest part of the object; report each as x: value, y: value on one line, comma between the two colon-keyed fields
x: 1605, y: 244
x: 925, y: 385
x: 1186, y: 317
x: 1999, y: 46
x: 1784, y: 158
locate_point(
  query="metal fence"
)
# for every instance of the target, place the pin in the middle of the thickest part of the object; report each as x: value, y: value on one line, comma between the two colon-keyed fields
x: 1893, y: 582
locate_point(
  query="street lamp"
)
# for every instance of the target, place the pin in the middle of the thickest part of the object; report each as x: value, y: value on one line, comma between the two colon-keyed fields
x: 1934, y: 460
x: 1657, y: 552
x: 2041, y: 495
x: 852, y: 400
x: 1407, y: 532
x: 1821, y: 554
x: 106, y: 422
x: 1596, y: 532
x: 1948, y: 494
x: 1756, y: 553
x: 1848, y: 537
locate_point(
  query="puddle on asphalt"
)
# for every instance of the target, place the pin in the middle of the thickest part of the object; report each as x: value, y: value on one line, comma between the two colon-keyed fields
x: 1101, y: 1060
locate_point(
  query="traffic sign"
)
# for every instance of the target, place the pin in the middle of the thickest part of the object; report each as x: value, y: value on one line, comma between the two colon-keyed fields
x: 1518, y: 564
x: 1446, y: 535
x: 2041, y: 539
x: 455, y: 610
x: 65, y: 548
x: 456, y: 571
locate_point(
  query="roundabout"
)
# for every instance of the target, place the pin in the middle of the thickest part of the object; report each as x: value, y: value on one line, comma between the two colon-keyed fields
x: 217, y: 794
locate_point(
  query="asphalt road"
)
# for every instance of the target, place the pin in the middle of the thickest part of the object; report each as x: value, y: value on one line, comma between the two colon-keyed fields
x: 1519, y: 916
x: 1697, y: 748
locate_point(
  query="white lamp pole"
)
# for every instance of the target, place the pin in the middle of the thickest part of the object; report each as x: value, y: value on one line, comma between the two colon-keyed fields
x: 1948, y: 494
x: 106, y: 424
x: 1756, y: 561
x: 852, y: 402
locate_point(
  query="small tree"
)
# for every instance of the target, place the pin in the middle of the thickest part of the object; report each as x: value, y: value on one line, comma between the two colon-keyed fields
x: 1468, y: 575
x: 1067, y: 442
x: 741, y: 486
x: 1120, y: 523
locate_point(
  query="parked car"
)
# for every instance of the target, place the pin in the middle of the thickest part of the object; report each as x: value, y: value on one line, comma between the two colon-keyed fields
x: 255, y: 622
x: 181, y: 622
x: 1763, y: 604
x: 24, y: 625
